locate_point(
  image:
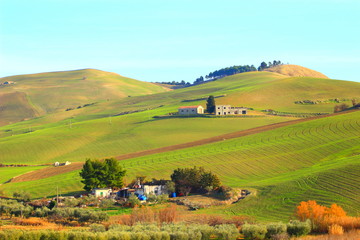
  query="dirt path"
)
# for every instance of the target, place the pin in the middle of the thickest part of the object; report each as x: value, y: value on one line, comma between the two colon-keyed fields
x: 52, y: 171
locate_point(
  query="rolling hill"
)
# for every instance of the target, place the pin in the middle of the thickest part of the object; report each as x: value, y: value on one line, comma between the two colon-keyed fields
x: 295, y: 71
x: 266, y: 162
x: 33, y: 95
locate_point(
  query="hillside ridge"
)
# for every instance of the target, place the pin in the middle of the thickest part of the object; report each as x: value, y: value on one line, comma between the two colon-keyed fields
x: 295, y: 71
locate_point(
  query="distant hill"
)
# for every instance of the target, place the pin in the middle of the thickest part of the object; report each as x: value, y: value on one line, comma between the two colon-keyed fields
x: 32, y: 95
x: 295, y: 71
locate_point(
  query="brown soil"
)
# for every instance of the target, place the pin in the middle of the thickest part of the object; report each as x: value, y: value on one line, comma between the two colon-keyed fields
x: 47, y: 172
x: 52, y: 171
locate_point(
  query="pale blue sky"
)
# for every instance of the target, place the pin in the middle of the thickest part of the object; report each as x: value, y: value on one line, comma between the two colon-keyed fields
x: 165, y: 40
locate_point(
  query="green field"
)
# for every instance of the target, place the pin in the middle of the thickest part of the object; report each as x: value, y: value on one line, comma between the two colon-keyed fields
x: 6, y: 173
x: 44, y: 93
x: 311, y: 160
x: 316, y: 160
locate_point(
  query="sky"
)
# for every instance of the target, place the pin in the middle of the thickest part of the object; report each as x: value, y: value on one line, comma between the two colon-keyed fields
x: 164, y: 40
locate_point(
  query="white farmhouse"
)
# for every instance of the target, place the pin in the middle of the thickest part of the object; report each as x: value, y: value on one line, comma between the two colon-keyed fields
x: 102, y: 192
x: 229, y: 110
x: 188, y: 110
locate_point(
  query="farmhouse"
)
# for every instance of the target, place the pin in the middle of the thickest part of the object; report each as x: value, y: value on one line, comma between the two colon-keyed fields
x: 229, y: 110
x: 139, y: 189
x: 186, y: 110
x: 102, y: 192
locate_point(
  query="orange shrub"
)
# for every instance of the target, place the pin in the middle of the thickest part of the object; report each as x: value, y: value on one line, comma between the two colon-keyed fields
x: 323, y: 218
x: 168, y: 215
x: 336, y: 230
x: 29, y: 221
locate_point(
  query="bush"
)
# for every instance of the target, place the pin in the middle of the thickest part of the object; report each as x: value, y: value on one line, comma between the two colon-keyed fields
x: 280, y: 236
x: 252, y: 231
x: 297, y: 228
x: 133, y: 201
x: 226, y: 231
x: 336, y: 230
x: 275, y: 229
x: 106, y: 203
x: 97, y: 228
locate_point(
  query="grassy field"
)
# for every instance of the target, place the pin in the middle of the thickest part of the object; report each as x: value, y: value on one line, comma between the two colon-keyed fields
x: 97, y: 131
x: 284, y: 166
x: 6, y: 173
x: 57, y: 91
x: 316, y: 160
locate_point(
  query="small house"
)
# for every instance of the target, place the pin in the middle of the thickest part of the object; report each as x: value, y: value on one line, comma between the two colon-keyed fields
x: 229, y: 110
x: 188, y: 110
x: 102, y: 192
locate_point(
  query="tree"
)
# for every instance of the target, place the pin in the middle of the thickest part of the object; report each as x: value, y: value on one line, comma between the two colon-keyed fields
x: 210, y: 104
x: 22, y: 196
x: 262, y: 66
x: 113, y: 173
x: 194, y: 179
x: 98, y: 174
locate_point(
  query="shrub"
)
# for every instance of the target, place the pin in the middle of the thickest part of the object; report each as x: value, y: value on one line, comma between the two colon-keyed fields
x: 226, y: 231
x: 133, y: 201
x: 297, y: 228
x: 168, y: 215
x: 336, y: 230
x: 253, y: 231
x: 97, y: 228
x: 280, y: 236
x: 275, y: 229
x: 106, y: 203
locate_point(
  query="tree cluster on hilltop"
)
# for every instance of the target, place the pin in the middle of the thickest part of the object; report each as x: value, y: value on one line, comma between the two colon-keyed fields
x: 223, y: 72
x: 100, y: 174
x: 228, y: 71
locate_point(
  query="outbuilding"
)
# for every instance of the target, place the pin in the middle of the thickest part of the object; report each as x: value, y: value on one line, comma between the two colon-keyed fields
x: 188, y: 110
x: 102, y: 192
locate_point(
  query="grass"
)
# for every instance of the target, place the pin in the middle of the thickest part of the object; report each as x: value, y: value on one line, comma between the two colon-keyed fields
x: 57, y: 91
x: 6, y: 173
x: 98, y: 138
x: 316, y: 160
x: 295, y: 71
x: 291, y: 158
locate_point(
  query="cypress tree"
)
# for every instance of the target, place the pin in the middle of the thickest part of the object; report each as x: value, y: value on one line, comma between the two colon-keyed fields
x: 210, y: 104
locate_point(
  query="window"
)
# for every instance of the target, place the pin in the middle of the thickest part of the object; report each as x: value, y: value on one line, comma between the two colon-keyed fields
x: 218, y: 107
x: 244, y: 112
x: 219, y: 113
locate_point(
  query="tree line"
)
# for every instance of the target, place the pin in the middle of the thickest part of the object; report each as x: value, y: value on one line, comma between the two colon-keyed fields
x: 228, y: 71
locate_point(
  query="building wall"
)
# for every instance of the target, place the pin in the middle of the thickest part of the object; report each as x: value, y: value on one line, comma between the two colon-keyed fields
x: 228, y: 110
x: 102, y: 192
x: 186, y: 111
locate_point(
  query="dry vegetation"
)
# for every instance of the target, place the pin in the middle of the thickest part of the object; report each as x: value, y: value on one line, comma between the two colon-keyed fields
x: 295, y: 71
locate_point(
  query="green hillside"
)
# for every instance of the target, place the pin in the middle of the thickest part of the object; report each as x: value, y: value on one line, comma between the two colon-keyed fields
x: 283, y: 166
x: 317, y: 160
x: 56, y: 91
x: 99, y: 131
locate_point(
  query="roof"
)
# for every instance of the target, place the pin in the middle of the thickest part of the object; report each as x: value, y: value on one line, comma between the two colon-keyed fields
x: 189, y: 107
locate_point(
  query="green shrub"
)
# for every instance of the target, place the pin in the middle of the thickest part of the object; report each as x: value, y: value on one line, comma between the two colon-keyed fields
x: 297, y: 228
x: 179, y: 236
x: 253, y: 231
x: 107, y: 203
x: 133, y: 201
x: 139, y: 236
x: 226, y: 231
x: 97, y: 228
x: 275, y: 229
